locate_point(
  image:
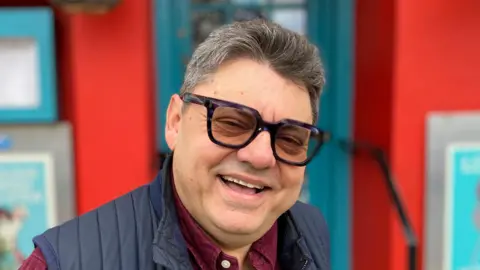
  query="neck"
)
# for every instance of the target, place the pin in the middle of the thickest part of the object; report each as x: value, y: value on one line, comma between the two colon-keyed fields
x: 237, y: 249
x: 236, y: 246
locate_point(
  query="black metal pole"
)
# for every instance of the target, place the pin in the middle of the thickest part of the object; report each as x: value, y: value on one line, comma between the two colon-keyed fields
x: 380, y: 158
x: 412, y: 254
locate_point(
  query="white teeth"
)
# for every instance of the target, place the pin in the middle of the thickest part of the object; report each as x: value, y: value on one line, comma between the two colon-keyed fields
x: 240, y: 182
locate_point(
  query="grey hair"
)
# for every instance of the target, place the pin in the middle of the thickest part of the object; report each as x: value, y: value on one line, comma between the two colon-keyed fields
x: 290, y: 54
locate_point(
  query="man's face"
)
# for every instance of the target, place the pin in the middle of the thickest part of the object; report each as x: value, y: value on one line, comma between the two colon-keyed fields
x: 221, y: 208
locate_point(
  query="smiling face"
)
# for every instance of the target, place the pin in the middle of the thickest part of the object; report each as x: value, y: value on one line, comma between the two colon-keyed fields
x: 204, y: 172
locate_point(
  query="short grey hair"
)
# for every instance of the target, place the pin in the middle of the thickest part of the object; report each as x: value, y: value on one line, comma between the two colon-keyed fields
x: 290, y: 54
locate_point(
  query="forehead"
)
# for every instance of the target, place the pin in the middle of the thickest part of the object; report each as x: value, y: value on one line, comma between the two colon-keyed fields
x: 258, y: 86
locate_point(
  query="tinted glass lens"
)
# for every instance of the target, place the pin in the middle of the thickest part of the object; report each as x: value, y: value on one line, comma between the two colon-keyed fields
x: 233, y: 126
x: 294, y: 143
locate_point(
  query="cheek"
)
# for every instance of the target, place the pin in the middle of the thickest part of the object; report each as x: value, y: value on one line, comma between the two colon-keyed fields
x: 292, y: 177
x: 292, y: 180
x: 203, y: 152
x: 199, y: 152
x: 289, y: 194
x: 193, y: 138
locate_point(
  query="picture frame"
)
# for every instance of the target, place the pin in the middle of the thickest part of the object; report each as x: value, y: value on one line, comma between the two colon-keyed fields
x: 28, y: 87
x: 27, y: 203
x: 37, y: 187
x: 452, y: 191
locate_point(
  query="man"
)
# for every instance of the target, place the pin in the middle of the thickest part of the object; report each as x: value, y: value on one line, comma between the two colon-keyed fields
x: 241, y: 133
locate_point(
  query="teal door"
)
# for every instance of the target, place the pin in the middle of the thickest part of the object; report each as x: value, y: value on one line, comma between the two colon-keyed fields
x: 180, y: 25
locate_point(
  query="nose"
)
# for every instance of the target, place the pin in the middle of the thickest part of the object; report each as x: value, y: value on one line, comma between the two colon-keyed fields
x: 259, y: 152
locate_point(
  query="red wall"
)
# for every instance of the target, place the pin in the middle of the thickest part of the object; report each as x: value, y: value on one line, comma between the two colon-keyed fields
x: 106, y: 89
x: 372, y: 120
x: 413, y: 57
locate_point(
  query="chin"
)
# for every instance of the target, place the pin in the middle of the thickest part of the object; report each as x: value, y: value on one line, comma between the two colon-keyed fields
x: 239, y: 223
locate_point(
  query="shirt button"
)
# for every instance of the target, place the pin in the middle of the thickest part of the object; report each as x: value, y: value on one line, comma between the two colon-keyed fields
x: 226, y: 264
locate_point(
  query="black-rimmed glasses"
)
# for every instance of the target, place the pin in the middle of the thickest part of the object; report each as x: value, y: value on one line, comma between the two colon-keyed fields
x: 234, y: 126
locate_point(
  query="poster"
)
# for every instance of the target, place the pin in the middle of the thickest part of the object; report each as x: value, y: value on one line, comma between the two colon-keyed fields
x: 462, y: 204
x: 27, y: 204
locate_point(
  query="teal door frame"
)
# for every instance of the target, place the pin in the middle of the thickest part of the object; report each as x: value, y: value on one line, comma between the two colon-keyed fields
x: 335, y: 38
x: 330, y: 27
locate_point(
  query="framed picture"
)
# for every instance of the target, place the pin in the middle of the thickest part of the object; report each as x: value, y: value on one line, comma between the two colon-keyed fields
x: 27, y: 66
x: 462, y: 207
x: 452, y: 192
x: 37, y: 188
x: 27, y: 204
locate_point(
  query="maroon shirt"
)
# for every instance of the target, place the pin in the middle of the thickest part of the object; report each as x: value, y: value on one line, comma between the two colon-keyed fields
x: 204, y: 254
x: 35, y: 261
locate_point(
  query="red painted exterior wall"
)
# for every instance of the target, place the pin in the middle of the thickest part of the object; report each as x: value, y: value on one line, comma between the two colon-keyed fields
x: 413, y: 57
x: 372, y: 122
x: 107, y: 93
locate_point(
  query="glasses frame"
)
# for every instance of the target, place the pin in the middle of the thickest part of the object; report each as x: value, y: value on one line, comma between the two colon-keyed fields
x: 211, y: 104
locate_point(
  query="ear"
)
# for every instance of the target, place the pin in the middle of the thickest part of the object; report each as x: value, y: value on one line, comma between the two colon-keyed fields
x: 173, y: 121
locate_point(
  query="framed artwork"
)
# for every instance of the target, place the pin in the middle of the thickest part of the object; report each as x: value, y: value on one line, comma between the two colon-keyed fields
x: 27, y: 203
x: 462, y: 207
x: 452, y: 192
x: 37, y: 188
x: 27, y: 66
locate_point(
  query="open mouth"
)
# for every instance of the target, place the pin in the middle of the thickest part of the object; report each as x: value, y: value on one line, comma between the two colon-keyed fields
x: 242, y: 186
